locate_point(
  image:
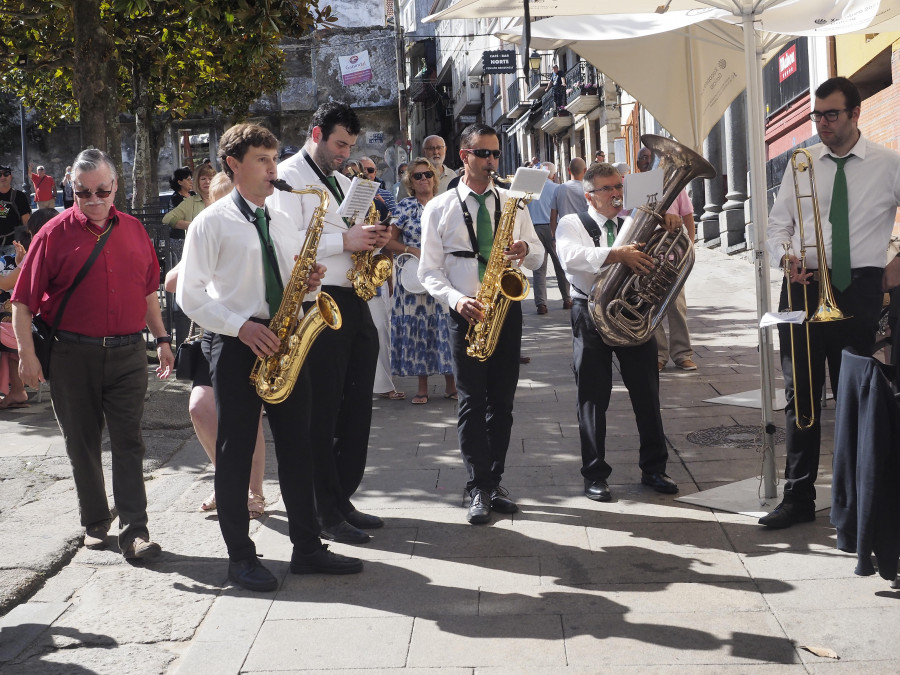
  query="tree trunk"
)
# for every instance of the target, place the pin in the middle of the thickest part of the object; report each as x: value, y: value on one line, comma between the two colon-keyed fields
x: 94, y: 83
x: 143, y: 144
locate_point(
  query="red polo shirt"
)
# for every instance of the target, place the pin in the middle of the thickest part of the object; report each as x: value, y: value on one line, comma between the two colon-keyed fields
x: 44, y: 188
x: 111, y: 299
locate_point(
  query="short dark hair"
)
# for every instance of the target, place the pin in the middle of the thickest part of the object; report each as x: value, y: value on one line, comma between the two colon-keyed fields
x: 598, y: 170
x: 334, y: 113
x: 843, y: 85
x: 473, y: 131
x: 177, y: 175
x: 241, y: 137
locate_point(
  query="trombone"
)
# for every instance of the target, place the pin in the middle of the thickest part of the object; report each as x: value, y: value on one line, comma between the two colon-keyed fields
x: 827, y: 309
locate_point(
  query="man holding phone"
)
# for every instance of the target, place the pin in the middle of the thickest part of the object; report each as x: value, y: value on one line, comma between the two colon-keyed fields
x: 341, y: 362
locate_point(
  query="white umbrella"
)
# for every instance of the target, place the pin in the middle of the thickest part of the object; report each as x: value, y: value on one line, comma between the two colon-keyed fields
x: 762, y: 24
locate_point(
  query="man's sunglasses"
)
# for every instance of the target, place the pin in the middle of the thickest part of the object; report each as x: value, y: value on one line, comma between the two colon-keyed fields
x: 484, y: 153
x: 419, y: 175
x: 370, y: 169
x: 5, y: 173
x: 86, y: 194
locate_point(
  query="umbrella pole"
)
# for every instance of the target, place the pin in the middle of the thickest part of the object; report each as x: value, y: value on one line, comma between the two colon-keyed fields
x: 758, y: 204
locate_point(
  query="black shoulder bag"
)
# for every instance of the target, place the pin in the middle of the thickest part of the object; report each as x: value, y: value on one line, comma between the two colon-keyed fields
x: 41, y: 333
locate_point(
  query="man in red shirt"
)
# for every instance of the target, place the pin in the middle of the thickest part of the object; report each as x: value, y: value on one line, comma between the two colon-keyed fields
x: 99, y: 361
x: 44, y: 189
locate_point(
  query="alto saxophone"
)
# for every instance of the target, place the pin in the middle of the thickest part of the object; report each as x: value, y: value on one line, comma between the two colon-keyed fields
x: 275, y: 376
x: 502, y: 284
x: 370, y: 270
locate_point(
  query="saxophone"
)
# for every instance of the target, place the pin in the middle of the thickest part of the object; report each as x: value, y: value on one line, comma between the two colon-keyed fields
x: 275, y: 376
x: 501, y: 285
x: 370, y: 270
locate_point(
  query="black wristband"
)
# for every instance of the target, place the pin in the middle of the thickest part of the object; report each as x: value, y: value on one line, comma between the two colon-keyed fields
x: 164, y: 339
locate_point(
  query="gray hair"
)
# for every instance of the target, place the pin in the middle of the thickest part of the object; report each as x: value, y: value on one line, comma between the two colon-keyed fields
x: 91, y: 160
x: 551, y: 167
x: 597, y: 170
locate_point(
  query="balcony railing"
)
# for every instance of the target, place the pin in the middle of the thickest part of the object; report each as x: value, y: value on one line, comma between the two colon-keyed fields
x: 582, y: 79
x: 513, y: 93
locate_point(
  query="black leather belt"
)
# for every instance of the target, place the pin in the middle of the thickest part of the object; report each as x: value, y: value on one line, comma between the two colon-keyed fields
x: 856, y: 273
x: 111, y: 341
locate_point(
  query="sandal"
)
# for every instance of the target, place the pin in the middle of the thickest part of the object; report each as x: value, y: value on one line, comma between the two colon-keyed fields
x: 452, y: 395
x: 392, y: 395
x: 420, y: 399
x: 209, y: 504
x: 256, y: 505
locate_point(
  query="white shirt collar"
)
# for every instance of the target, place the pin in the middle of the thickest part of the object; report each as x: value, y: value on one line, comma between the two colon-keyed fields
x: 858, y: 149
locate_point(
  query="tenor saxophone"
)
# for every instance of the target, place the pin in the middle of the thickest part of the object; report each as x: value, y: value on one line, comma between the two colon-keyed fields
x: 275, y: 376
x: 370, y: 270
x: 501, y: 285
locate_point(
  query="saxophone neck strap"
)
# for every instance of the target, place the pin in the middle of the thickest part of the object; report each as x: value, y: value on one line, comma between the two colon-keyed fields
x: 470, y: 226
x: 333, y: 186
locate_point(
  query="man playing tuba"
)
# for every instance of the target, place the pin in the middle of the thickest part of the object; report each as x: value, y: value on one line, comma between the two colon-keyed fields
x: 458, y: 229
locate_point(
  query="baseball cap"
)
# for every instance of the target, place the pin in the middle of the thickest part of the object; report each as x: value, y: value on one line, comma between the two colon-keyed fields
x: 288, y: 151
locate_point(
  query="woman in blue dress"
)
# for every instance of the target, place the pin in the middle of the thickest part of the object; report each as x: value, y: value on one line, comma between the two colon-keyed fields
x: 419, y: 334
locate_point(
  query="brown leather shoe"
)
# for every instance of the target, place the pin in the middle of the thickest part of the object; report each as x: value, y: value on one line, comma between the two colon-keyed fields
x: 687, y: 364
x: 95, y: 536
x: 567, y: 304
x: 660, y: 365
x: 542, y: 309
x: 141, y: 548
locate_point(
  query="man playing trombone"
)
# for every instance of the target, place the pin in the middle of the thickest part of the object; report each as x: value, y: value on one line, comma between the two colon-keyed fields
x: 857, y: 186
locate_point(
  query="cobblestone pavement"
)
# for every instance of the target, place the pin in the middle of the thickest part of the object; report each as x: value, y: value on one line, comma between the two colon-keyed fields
x: 641, y: 584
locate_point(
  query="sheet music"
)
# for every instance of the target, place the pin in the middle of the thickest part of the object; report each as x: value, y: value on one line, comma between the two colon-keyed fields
x: 358, y: 199
x: 639, y: 186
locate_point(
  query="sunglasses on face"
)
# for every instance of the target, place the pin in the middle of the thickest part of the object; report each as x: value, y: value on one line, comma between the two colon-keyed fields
x: 608, y: 188
x: 86, y: 194
x: 370, y: 169
x: 419, y: 175
x: 4, y: 174
x: 484, y: 153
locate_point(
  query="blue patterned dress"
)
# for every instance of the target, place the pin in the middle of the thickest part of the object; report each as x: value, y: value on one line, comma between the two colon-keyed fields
x: 419, y: 335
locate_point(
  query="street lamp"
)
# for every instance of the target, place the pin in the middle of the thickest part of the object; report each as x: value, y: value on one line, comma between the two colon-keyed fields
x: 534, y: 61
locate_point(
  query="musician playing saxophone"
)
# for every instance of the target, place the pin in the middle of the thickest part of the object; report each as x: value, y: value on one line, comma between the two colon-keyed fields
x: 457, y: 241
x: 586, y: 244
x: 238, y: 256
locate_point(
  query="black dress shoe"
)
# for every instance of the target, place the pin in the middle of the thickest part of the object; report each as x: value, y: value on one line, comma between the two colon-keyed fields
x: 789, y: 513
x: 363, y: 521
x: 252, y: 575
x: 500, y: 501
x: 345, y: 533
x: 598, y: 490
x: 324, y: 561
x: 480, y: 509
x: 660, y: 482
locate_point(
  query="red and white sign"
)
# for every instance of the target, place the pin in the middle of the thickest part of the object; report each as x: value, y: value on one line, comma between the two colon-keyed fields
x: 787, y: 63
x: 355, y: 68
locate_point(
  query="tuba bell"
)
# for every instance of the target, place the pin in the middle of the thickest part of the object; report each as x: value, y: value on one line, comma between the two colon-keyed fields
x: 627, y: 307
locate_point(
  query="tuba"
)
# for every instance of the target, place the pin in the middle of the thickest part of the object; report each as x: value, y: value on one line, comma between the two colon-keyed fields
x: 370, y: 270
x: 627, y: 307
x: 501, y: 285
x: 275, y: 376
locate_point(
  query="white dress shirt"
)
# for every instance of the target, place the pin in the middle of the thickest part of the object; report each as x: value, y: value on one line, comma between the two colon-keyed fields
x: 222, y: 284
x: 873, y: 195
x: 582, y: 260
x: 449, y: 278
x: 298, y: 174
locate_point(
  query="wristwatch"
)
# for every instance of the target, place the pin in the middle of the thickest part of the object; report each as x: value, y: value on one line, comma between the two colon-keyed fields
x: 163, y: 339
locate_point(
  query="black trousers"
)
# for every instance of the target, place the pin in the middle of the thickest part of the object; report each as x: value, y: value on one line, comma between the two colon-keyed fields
x: 861, y: 299
x: 593, y: 378
x: 486, y: 392
x: 238, y: 407
x: 341, y: 366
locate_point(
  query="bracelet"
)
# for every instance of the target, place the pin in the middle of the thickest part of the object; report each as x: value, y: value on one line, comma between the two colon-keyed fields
x: 165, y: 339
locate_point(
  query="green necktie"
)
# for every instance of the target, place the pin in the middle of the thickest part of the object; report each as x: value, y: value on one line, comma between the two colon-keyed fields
x: 610, y: 233
x: 335, y: 189
x: 484, y: 232
x: 840, y: 228
x: 274, y: 289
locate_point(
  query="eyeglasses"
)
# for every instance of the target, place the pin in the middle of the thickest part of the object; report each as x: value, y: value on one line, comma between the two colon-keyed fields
x: 5, y: 173
x: 370, y: 169
x: 484, y: 153
x: 830, y: 115
x: 86, y: 194
x: 434, y: 148
x: 608, y: 188
x: 419, y: 175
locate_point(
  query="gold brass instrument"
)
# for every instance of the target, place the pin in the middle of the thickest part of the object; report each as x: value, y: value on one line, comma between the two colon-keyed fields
x: 627, y: 307
x: 370, y: 270
x: 502, y: 283
x: 275, y: 376
x: 827, y: 309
